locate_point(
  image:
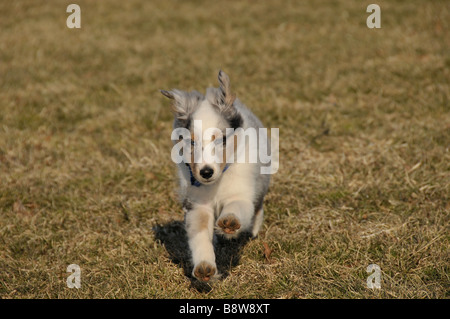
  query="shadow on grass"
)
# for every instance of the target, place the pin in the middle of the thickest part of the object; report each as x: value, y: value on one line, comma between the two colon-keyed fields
x: 174, y: 238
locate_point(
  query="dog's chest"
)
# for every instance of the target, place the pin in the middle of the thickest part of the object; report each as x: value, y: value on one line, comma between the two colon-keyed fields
x: 234, y: 184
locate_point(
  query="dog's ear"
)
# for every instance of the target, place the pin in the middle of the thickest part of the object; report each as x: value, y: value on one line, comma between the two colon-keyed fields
x: 227, y: 98
x: 184, y: 104
x: 223, y: 99
x: 167, y: 94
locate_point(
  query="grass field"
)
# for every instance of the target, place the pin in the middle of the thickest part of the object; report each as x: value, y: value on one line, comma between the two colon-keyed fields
x: 364, y: 117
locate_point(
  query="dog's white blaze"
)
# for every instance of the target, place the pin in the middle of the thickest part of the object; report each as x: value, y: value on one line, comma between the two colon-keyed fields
x: 206, y: 123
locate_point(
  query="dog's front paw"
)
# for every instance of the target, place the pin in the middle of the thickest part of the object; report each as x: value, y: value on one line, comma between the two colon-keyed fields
x: 204, y: 271
x: 229, y: 224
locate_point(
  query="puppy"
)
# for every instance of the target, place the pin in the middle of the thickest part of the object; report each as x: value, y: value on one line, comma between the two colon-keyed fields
x: 219, y: 194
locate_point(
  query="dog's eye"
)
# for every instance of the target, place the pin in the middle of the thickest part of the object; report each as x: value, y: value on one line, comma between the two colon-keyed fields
x: 192, y: 142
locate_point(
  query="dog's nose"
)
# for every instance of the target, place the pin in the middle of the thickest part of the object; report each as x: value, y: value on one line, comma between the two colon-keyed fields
x: 206, y: 172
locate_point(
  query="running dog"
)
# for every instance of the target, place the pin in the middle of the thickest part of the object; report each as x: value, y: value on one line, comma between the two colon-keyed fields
x: 218, y: 196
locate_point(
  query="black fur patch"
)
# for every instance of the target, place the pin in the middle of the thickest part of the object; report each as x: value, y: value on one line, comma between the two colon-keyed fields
x: 258, y: 203
x: 236, y: 121
x: 188, y: 123
x: 187, y: 205
x: 183, y: 123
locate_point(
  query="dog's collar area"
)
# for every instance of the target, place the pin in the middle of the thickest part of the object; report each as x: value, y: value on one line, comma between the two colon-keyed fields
x: 195, y: 182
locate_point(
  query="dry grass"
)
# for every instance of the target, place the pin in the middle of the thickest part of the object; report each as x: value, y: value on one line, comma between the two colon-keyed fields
x: 364, y: 118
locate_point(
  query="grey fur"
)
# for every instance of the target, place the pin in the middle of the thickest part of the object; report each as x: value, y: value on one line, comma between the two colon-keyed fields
x: 185, y: 103
x: 187, y: 205
x: 263, y: 180
x: 225, y: 88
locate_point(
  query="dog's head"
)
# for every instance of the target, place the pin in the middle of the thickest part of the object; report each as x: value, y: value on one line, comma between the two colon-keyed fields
x: 207, y: 118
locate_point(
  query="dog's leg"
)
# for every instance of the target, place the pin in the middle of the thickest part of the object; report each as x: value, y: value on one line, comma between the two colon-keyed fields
x: 257, y: 222
x: 199, y: 227
x: 236, y: 216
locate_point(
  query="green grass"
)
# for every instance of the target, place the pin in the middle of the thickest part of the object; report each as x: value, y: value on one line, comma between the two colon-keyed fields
x: 364, y: 118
